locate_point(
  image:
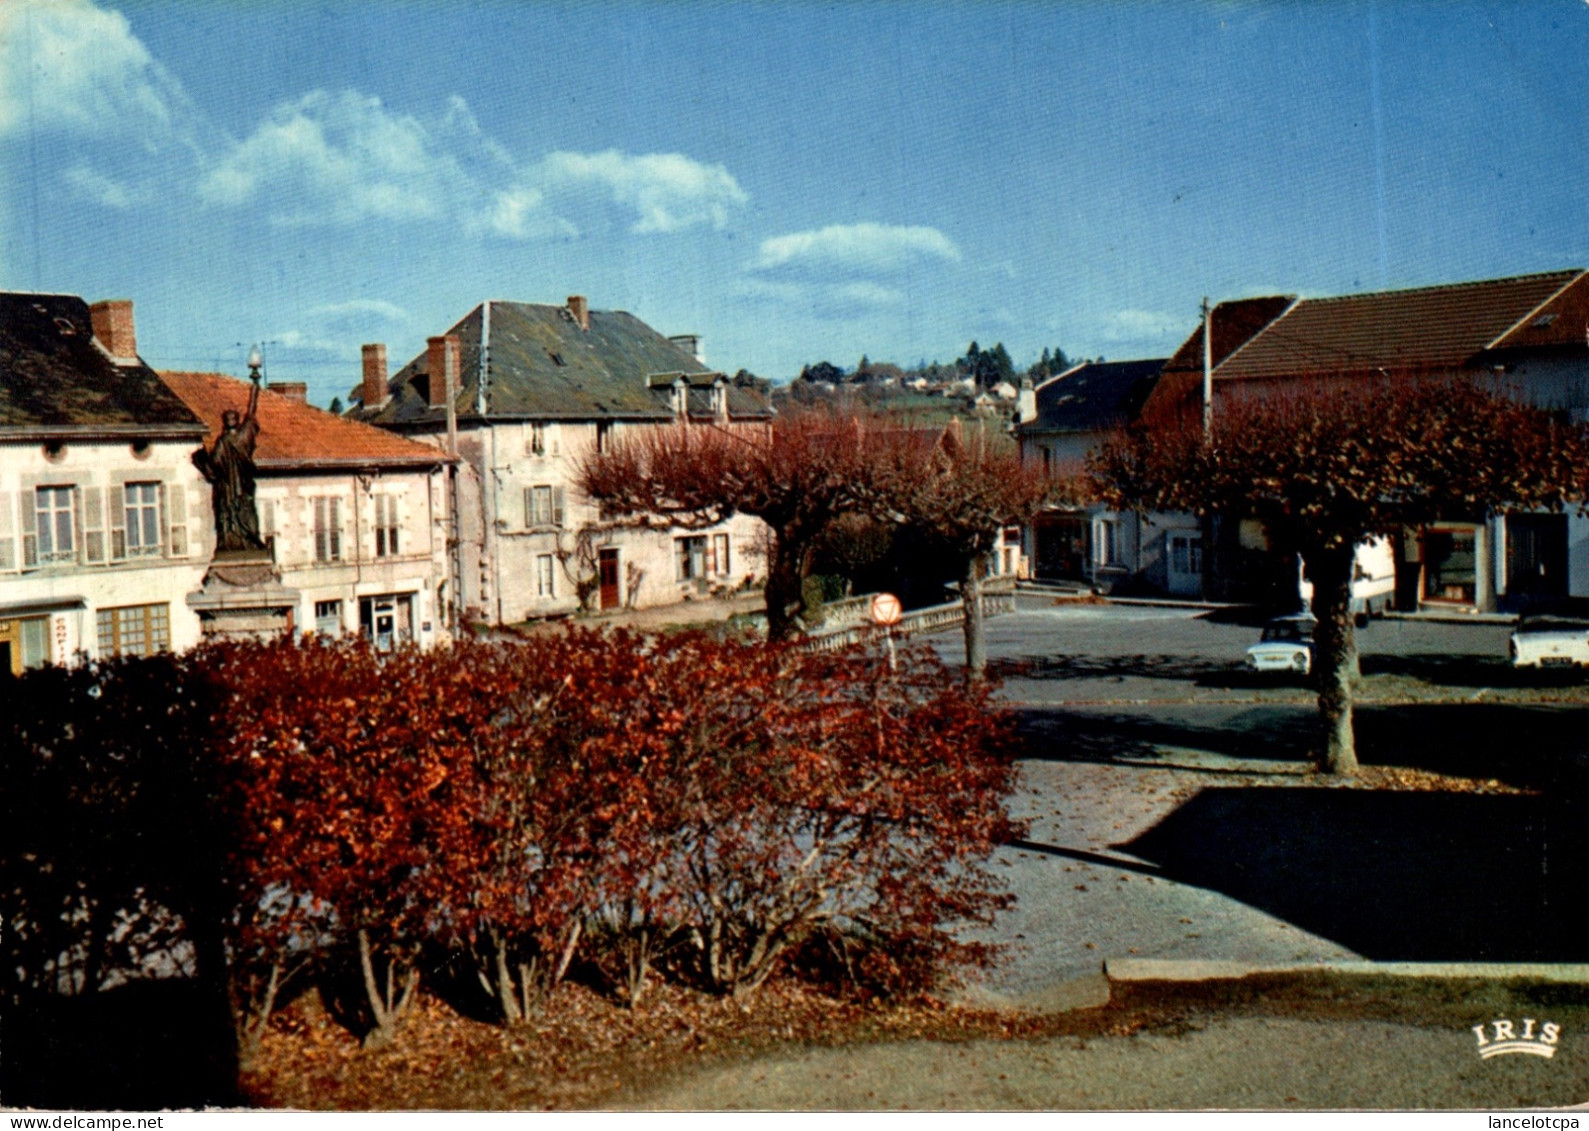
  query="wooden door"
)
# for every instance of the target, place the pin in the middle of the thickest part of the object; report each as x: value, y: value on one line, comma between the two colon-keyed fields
x: 607, y: 563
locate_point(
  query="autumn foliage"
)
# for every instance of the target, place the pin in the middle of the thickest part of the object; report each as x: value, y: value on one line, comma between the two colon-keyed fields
x: 501, y: 816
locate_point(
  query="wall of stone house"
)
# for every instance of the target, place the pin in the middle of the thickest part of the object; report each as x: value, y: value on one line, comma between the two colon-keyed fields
x: 72, y: 593
x: 287, y: 504
x: 1560, y: 382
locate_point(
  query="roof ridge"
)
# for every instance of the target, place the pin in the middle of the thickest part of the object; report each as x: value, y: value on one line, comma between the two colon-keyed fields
x: 1565, y: 272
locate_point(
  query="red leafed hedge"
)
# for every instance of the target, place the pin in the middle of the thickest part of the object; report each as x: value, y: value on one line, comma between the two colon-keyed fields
x: 603, y: 802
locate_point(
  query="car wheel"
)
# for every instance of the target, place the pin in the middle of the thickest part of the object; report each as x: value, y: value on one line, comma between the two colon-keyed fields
x: 1300, y: 662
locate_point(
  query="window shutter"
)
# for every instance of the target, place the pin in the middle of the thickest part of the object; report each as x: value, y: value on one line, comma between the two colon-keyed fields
x: 77, y: 523
x: 529, y: 507
x: 8, y: 538
x: 557, y: 506
x: 334, y: 527
x: 30, y: 529
x: 94, y: 525
x: 118, y: 522
x: 176, y: 518
x: 320, y: 541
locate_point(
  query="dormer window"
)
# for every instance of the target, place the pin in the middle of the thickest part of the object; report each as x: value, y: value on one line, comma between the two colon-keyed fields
x: 64, y: 325
x: 557, y: 359
x: 1544, y: 320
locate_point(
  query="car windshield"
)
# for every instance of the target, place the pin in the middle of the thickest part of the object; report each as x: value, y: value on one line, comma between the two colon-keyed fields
x: 1287, y: 631
x: 1530, y: 625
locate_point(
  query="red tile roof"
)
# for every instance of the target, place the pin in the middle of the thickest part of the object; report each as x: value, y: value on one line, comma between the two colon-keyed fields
x: 293, y: 434
x: 1431, y: 329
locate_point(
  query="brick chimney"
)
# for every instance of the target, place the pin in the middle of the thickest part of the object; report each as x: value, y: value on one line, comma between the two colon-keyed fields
x: 373, y: 391
x: 112, y: 322
x: 580, y: 309
x: 297, y: 391
x: 443, y: 357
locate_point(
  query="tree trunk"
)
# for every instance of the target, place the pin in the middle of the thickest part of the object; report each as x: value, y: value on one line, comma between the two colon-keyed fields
x: 976, y: 632
x: 785, y: 577
x: 1334, y: 654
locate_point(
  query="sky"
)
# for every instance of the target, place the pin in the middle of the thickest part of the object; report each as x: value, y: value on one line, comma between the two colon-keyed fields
x: 794, y: 181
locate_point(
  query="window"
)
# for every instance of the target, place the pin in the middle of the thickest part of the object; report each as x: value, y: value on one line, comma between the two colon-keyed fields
x: 143, y: 519
x: 55, y: 529
x: 536, y: 444
x: 720, y: 562
x: 543, y: 506
x: 328, y: 529
x: 328, y: 618
x: 690, y: 557
x: 603, y: 436
x: 1186, y: 554
x: 24, y: 643
x: 1107, y: 542
x: 385, y: 526
x: 544, y: 576
x: 134, y: 630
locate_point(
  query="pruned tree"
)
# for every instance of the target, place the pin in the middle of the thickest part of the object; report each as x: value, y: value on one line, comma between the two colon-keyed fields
x: 1328, y: 464
x: 961, y: 489
x: 796, y: 475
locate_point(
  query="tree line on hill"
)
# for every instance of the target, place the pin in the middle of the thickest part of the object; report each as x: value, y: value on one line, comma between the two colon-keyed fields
x: 984, y: 368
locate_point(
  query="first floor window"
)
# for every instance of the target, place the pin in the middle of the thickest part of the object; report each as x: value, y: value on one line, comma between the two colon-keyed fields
x: 55, y: 532
x: 328, y: 618
x: 143, y: 518
x: 385, y: 526
x: 134, y: 630
x: 24, y: 643
x: 1108, y: 548
x: 544, y: 576
x: 690, y: 557
x: 328, y: 529
x: 720, y: 562
x: 1186, y: 554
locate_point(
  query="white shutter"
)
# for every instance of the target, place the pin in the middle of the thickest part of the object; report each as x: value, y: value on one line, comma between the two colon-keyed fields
x: 118, y: 522
x: 334, y: 526
x: 321, y: 543
x: 30, y: 528
x: 8, y: 537
x: 176, y: 509
x: 94, y: 525
x: 557, y: 506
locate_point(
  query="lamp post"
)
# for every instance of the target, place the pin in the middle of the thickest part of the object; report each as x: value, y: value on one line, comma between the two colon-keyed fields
x: 255, y: 360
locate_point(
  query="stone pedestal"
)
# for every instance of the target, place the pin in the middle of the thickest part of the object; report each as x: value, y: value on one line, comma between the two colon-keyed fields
x: 242, y: 598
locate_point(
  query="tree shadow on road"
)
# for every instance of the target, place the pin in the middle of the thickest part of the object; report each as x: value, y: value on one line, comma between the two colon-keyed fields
x: 1408, y: 876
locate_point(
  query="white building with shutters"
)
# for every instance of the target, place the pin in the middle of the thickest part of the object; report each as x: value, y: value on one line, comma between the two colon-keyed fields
x: 103, y: 528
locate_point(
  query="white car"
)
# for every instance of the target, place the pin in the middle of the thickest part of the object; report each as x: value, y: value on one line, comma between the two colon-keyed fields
x: 1286, y: 646
x: 1553, y: 634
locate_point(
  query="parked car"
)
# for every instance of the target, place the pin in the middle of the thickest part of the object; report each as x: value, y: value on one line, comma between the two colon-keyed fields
x: 1552, y: 634
x: 1286, y: 645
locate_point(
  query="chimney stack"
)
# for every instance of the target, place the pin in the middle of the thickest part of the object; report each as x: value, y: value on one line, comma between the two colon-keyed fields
x: 373, y: 391
x: 690, y: 344
x: 112, y: 323
x: 295, y: 391
x: 580, y: 310
x: 443, y: 360
x: 1026, y: 402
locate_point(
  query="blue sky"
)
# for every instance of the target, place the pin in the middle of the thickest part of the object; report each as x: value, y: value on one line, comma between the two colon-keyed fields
x: 793, y: 181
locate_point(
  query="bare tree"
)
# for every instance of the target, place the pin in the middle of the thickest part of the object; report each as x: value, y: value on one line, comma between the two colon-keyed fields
x: 1327, y: 464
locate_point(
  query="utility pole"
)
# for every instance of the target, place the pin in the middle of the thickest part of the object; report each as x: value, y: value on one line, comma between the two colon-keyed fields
x: 1208, y: 368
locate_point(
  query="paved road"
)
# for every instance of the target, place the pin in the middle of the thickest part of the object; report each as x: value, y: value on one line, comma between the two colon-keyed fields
x: 1172, y: 815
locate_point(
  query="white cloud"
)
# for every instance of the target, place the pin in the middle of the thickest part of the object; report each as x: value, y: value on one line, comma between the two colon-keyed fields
x: 95, y: 187
x: 337, y: 158
x: 522, y: 213
x: 1142, y: 325
x: 856, y: 248
x: 671, y: 192
x: 364, y: 308
x: 853, y: 299
x: 68, y: 65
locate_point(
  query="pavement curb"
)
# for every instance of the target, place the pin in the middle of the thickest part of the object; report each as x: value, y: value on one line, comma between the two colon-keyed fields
x: 1130, y: 970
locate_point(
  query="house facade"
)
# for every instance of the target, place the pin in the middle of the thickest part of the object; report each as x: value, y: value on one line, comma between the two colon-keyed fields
x: 1527, y: 335
x: 357, y: 519
x: 521, y: 392
x: 1064, y: 419
x: 104, y: 519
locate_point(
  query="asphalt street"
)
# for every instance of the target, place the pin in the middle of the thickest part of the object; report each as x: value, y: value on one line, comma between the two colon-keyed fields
x: 1173, y: 815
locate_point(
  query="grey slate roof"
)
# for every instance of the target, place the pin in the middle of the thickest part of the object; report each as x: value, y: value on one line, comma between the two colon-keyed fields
x: 54, y: 379
x: 1094, y: 397
x: 541, y: 365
